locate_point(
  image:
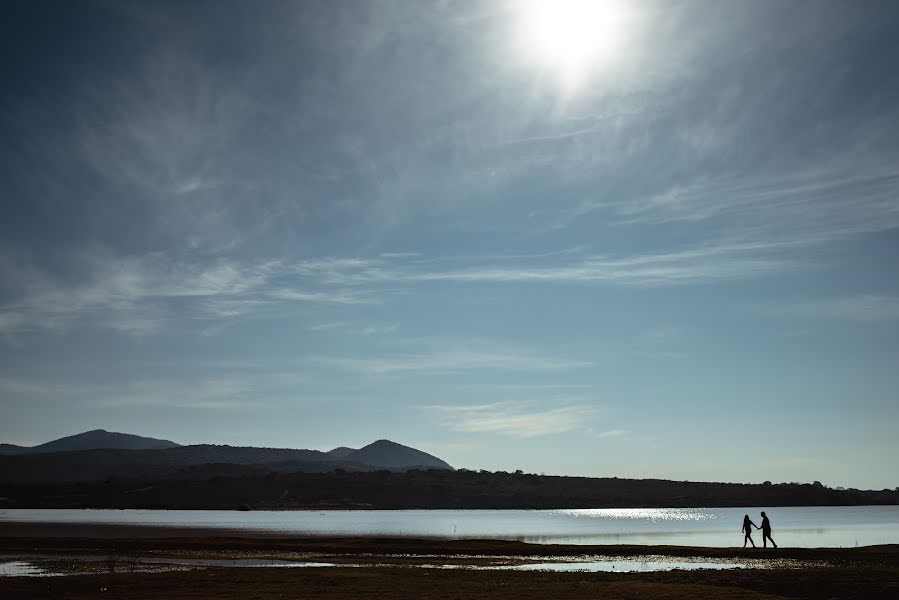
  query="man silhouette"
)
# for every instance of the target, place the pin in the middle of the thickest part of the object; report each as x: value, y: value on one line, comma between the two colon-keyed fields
x: 766, y: 531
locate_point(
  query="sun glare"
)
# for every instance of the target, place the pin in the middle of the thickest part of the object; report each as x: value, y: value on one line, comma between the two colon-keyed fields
x: 574, y: 36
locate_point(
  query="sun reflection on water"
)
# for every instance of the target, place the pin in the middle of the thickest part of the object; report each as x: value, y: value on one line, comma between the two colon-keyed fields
x: 643, y: 514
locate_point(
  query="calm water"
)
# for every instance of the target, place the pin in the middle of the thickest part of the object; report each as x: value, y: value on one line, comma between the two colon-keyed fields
x: 792, y: 526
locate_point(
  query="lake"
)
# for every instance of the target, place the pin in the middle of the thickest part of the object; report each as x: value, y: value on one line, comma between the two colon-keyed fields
x: 811, y: 527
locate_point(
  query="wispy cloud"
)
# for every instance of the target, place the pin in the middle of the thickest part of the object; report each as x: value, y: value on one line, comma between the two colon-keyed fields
x: 437, y: 362
x: 354, y: 329
x: 613, y: 433
x: 379, y: 329
x: 515, y: 420
x: 814, y: 206
x: 212, y: 393
x: 862, y: 307
x: 325, y: 297
x: 130, y: 294
x: 11, y: 322
x: 215, y: 391
x: 17, y: 386
x: 328, y: 326
x: 707, y: 263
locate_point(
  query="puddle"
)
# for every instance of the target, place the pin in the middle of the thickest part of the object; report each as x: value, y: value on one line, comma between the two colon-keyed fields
x: 238, y: 562
x: 48, y: 565
x: 605, y: 564
x: 622, y: 566
x: 22, y: 568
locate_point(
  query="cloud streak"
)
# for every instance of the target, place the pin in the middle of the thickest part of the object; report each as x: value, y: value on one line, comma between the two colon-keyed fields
x: 135, y: 294
x: 442, y: 362
x: 707, y: 263
x: 131, y: 294
x: 515, y: 420
x: 860, y: 308
x: 613, y: 433
x: 815, y: 205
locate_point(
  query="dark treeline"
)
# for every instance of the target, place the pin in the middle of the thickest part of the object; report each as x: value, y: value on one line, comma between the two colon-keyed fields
x: 237, y: 486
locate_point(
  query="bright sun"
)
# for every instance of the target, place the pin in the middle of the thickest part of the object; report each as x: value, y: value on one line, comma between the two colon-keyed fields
x: 574, y: 35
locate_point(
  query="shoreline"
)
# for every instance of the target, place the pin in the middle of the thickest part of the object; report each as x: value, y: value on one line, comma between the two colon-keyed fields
x: 413, y: 568
x: 231, y: 507
x: 51, y: 537
x: 40, y: 532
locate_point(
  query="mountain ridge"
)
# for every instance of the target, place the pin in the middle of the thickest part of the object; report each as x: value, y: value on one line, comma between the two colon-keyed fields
x: 391, y: 455
x: 91, y: 440
x: 341, y: 451
x: 52, y: 463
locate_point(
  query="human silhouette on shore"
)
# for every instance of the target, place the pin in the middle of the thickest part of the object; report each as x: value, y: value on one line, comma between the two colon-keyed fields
x: 747, y: 529
x: 766, y: 531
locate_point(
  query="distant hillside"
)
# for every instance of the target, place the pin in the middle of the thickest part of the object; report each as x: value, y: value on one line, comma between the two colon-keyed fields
x: 263, y: 487
x: 341, y: 452
x: 103, y: 464
x: 92, y: 440
x: 390, y: 455
x: 381, y: 475
x: 52, y: 466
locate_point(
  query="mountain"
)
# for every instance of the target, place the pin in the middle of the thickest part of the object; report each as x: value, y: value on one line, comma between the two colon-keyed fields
x: 102, y: 456
x: 341, y: 452
x: 390, y: 455
x: 92, y: 440
x: 106, y: 464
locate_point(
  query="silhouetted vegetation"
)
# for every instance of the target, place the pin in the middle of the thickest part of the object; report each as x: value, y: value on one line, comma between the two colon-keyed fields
x: 241, y: 486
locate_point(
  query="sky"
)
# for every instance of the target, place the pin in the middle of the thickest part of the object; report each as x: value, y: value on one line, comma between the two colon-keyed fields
x: 634, y: 239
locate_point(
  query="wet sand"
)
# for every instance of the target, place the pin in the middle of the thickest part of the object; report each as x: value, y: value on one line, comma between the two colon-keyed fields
x: 870, y: 572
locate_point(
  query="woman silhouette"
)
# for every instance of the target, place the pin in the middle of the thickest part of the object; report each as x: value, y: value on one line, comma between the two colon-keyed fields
x: 747, y: 529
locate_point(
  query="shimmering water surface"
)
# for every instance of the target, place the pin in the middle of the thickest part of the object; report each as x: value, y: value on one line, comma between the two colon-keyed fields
x: 793, y: 526
x: 21, y: 568
x: 624, y: 566
x: 49, y: 566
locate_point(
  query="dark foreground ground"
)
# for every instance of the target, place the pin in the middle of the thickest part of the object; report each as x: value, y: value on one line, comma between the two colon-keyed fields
x: 871, y: 572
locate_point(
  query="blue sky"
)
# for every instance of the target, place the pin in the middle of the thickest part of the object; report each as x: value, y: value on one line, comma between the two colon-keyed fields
x: 312, y: 224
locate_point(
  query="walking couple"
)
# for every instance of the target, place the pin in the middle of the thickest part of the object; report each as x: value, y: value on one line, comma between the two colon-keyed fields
x: 766, y: 531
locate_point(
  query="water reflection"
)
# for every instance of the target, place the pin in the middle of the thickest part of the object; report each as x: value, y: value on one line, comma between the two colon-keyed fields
x: 645, y: 514
x: 47, y: 567
x: 21, y: 568
x: 237, y: 562
x: 794, y: 526
x: 625, y: 566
